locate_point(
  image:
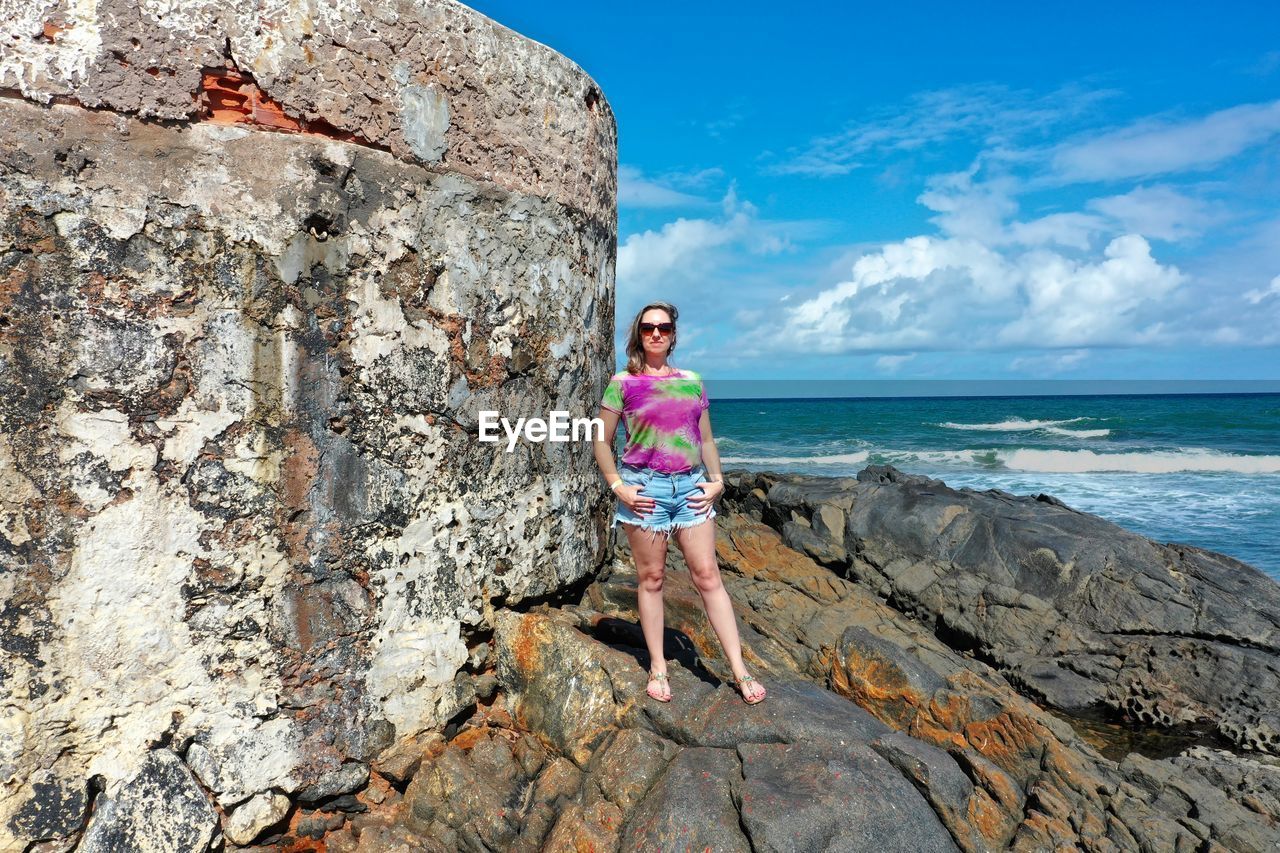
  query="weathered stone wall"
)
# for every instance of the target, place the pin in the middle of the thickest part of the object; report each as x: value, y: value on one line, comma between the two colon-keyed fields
x: 260, y: 267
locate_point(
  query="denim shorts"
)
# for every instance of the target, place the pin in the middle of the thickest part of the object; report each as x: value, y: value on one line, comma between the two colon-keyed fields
x: 670, y: 492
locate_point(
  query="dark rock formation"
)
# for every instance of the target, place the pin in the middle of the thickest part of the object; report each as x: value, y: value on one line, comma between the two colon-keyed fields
x: 1072, y: 609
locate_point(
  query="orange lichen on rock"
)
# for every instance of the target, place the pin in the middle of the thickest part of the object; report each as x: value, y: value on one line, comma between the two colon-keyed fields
x: 757, y: 552
x: 989, y: 818
x: 529, y: 641
x: 1003, y: 752
x: 875, y: 685
x: 1008, y: 739
x: 468, y: 738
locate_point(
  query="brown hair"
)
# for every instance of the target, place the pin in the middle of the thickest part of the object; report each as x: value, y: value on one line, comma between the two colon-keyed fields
x: 635, y: 342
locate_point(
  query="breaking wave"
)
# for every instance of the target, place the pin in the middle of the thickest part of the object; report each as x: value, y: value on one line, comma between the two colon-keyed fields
x: 1045, y: 461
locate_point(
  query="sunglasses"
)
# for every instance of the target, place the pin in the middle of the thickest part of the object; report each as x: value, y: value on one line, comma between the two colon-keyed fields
x: 650, y: 328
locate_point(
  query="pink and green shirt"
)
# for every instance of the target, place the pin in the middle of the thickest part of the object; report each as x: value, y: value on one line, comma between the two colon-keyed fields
x: 661, y: 415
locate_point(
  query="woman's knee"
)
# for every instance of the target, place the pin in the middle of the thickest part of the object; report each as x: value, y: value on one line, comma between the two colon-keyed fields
x: 652, y: 576
x: 706, y: 578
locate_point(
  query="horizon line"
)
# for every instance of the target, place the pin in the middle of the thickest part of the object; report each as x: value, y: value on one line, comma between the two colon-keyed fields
x: 855, y: 389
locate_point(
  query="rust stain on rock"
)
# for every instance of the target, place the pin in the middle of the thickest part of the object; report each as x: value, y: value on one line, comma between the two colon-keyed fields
x: 298, y: 476
x: 984, y: 814
x: 481, y: 371
x: 301, y: 467
x: 51, y: 30
x: 468, y: 738
x: 527, y: 647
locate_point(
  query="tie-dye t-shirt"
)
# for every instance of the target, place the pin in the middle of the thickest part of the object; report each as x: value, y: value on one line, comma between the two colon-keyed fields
x: 660, y: 414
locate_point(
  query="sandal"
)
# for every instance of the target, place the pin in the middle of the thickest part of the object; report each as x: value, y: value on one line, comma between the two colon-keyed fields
x: 661, y: 678
x: 742, y: 683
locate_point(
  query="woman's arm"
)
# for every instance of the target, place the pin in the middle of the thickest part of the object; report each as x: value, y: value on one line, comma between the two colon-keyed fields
x: 714, y: 487
x: 603, y: 447
x: 710, y: 454
x: 603, y: 450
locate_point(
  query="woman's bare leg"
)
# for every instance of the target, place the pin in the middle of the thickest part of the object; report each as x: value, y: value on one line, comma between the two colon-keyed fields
x: 650, y: 553
x: 698, y: 544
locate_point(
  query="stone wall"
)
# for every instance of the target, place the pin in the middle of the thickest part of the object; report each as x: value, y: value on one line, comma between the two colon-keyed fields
x: 260, y: 267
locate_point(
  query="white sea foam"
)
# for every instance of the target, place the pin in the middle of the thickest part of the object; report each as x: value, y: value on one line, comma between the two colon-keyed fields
x: 1013, y: 425
x: 833, y: 459
x: 1043, y: 461
x: 1152, y: 462
x: 1079, y: 433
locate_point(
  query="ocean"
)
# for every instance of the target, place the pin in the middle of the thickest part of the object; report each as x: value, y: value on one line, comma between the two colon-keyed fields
x: 1200, y: 469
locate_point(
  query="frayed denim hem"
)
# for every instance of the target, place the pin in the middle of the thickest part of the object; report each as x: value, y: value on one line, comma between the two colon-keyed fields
x: 665, y: 529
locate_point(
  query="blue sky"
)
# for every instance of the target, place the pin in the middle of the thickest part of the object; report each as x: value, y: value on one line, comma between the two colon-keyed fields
x: 944, y: 191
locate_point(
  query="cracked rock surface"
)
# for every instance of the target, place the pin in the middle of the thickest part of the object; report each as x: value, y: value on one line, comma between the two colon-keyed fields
x: 431, y: 82
x: 245, y: 337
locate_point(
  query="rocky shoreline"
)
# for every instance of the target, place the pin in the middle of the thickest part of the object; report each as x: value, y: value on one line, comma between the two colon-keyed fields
x: 899, y: 716
x: 1072, y: 609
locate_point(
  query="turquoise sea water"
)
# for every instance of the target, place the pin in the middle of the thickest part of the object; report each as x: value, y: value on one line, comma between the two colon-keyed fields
x: 1197, y: 469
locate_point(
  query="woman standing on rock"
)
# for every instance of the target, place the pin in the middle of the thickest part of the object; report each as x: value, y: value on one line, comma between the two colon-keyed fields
x: 663, y: 486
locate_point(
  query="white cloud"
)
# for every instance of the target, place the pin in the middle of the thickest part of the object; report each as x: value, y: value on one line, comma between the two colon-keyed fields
x: 694, y: 180
x: 992, y: 114
x: 1158, y: 212
x: 1235, y: 289
x: 1019, y: 263
x: 1153, y: 148
x: 635, y: 190
x: 929, y: 293
x: 1069, y: 230
x: 891, y: 363
x: 866, y: 312
x: 978, y: 210
x: 1226, y: 336
x: 1110, y: 302
x: 1254, y: 297
x: 686, y: 251
x: 967, y: 208
x: 1048, y: 363
x: 646, y: 257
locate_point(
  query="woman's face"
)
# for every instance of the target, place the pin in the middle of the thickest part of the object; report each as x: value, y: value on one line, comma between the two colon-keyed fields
x: 656, y: 342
